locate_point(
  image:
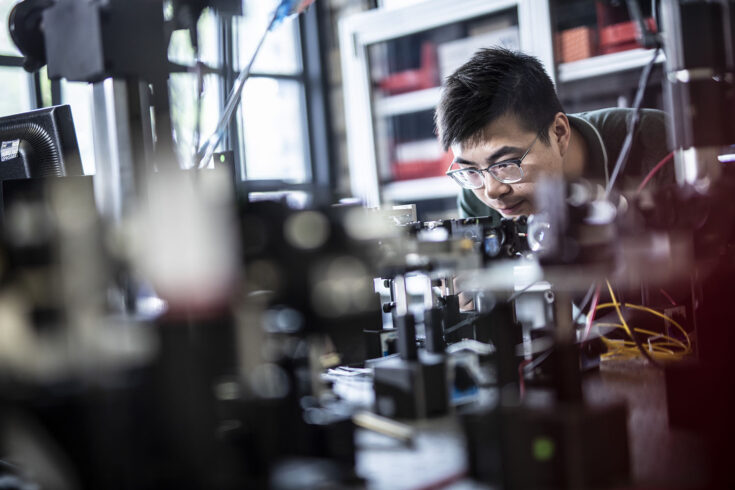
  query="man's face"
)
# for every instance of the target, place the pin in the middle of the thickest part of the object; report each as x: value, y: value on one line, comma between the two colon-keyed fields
x: 505, y: 139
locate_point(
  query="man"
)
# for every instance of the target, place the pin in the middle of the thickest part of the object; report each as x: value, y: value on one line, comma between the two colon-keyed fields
x: 500, y: 115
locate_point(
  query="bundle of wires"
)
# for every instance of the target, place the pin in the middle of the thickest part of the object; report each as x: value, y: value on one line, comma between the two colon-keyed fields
x: 658, y: 346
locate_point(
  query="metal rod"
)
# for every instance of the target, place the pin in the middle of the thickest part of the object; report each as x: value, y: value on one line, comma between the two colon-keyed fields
x: 449, y: 284
x: 207, y: 150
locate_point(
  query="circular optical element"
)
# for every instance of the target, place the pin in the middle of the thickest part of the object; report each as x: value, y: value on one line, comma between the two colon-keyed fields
x: 538, y: 235
x: 307, y: 230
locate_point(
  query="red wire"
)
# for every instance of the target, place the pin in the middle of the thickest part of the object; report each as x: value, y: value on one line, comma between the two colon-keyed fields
x: 654, y: 170
x: 591, y: 314
x: 667, y: 296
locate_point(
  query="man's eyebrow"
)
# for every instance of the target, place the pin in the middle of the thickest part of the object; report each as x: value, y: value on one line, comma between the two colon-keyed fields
x: 462, y: 161
x: 501, y: 152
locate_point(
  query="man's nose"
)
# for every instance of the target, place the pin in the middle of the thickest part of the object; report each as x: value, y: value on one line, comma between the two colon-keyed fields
x: 494, y: 189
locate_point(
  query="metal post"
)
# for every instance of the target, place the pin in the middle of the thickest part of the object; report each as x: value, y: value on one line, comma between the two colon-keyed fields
x: 114, y: 178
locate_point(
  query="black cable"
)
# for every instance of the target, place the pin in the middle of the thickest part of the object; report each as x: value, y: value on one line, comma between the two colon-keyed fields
x: 463, y: 323
x: 645, y: 353
x: 200, y: 92
x: 200, y: 95
x: 654, y: 13
x: 625, y: 150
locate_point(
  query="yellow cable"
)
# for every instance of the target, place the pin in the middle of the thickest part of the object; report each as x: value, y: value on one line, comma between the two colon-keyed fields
x: 627, y: 349
x: 660, y: 340
x: 655, y: 347
x: 666, y: 339
x: 653, y: 312
x: 665, y: 317
x: 628, y: 344
x: 630, y: 353
x: 617, y: 309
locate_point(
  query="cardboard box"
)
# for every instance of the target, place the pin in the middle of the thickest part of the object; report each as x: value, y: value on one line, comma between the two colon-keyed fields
x: 576, y: 44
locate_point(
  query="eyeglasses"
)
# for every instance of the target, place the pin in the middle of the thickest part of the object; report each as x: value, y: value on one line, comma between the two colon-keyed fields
x: 506, y: 172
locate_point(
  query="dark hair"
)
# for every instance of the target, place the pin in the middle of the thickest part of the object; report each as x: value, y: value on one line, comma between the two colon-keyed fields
x: 495, y: 82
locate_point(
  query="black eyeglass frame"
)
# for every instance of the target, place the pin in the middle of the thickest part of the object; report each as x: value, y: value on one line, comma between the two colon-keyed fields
x: 512, y: 161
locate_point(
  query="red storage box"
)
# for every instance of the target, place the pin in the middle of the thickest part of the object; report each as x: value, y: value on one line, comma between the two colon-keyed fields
x: 410, y: 80
x: 421, y: 169
x: 576, y: 44
x: 416, y: 169
x: 621, y: 36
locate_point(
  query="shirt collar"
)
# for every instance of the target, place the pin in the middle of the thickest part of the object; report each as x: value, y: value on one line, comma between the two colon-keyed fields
x: 598, y: 164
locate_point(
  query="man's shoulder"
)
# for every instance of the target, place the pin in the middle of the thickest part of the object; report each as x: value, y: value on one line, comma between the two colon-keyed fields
x: 613, y: 124
x: 616, y: 118
x: 649, y: 144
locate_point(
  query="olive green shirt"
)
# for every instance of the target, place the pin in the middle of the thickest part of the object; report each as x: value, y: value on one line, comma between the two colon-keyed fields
x: 604, y: 131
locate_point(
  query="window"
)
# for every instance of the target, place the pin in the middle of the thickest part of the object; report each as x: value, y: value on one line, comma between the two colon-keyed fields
x: 184, y: 88
x: 6, y: 44
x: 17, y: 85
x: 272, y: 129
x: 280, y: 54
x: 270, y: 133
x: 17, y: 89
x: 280, y: 135
x: 270, y: 119
x: 79, y: 96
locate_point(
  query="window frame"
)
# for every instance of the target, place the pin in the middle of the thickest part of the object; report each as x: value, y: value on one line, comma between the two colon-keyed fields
x: 34, y: 79
x: 316, y: 123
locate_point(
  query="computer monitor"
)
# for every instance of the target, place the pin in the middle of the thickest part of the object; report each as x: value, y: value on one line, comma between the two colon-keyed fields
x: 40, y: 143
x: 37, y: 144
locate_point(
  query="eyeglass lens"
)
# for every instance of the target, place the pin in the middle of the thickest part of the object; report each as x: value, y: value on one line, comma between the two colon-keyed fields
x: 474, y: 179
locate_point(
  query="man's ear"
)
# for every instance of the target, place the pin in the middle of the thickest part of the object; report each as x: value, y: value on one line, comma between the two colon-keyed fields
x: 561, y: 132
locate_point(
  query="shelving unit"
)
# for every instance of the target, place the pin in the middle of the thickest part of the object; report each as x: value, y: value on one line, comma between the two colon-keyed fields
x: 419, y: 189
x: 420, y: 100
x: 606, y: 64
x: 584, y: 28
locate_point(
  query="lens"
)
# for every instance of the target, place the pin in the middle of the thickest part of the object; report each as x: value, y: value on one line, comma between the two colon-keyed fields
x: 539, y: 233
x: 470, y: 179
x: 507, y: 173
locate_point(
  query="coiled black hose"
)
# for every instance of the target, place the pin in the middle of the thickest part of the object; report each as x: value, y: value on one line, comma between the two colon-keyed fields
x: 48, y: 163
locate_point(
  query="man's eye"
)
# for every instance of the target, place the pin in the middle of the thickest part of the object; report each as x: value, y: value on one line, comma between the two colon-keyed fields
x: 506, y: 163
